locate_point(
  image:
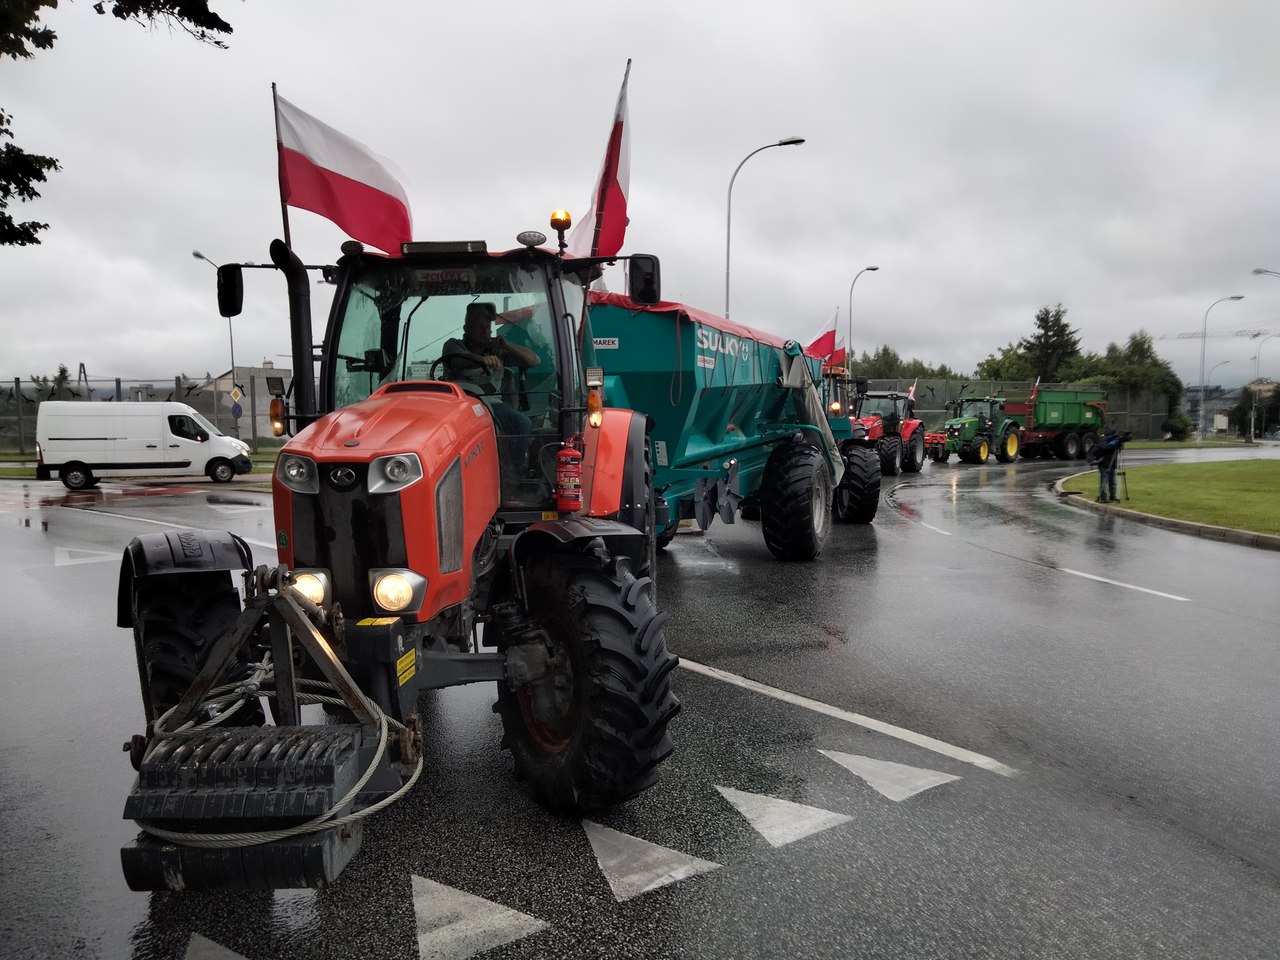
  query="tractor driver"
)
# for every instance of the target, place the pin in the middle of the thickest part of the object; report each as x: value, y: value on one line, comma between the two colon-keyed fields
x: 495, y: 353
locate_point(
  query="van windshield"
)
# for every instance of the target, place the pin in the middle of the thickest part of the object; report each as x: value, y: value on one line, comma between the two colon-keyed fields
x: 213, y: 431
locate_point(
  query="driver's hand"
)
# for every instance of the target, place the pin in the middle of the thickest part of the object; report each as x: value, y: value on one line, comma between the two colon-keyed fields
x: 493, y: 363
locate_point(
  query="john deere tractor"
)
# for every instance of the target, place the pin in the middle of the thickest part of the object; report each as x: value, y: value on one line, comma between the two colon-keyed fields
x: 979, y: 426
x: 452, y: 509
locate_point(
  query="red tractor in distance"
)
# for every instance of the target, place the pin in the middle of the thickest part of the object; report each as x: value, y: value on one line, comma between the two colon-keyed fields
x: 892, y: 429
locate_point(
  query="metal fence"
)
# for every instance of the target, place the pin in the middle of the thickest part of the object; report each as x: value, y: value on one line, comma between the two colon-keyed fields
x: 213, y: 398
x: 1138, y: 412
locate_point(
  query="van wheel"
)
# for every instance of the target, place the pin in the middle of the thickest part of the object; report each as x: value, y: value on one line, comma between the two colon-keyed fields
x: 76, y: 476
x: 221, y: 471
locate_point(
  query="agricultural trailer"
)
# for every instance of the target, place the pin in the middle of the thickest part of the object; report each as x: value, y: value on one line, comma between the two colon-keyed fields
x: 737, y: 419
x: 1059, y: 423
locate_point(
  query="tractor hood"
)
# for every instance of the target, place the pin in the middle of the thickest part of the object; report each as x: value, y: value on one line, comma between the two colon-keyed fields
x: 427, y: 418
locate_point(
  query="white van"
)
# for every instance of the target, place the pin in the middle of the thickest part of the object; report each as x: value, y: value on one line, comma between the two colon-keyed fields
x: 81, y: 442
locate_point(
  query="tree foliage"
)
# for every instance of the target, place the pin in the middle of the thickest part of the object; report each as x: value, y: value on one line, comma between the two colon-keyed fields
x: 1052, y: 346
x: 886, y: 364
x: 22, y: 35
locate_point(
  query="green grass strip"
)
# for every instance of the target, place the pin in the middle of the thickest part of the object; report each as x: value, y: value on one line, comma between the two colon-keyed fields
x: 1241, y: 495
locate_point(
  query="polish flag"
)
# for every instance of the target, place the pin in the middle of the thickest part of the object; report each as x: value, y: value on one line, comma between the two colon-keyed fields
x: 838, y: 355
x: 824, y: 344
x: 328, y: 173
x: 600, y: 232
x: 1034, y: 390
x: 911, y: 394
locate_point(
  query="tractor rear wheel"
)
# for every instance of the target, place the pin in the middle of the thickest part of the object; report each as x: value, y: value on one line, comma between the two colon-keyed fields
x: 795, y: 502
x: 611, y: 700
x: 176, y: 619
x: 1007, y: 449
x: 913, y: 458
x: 858, y: 496
x: 1088, y: 440
x: 890, y: 456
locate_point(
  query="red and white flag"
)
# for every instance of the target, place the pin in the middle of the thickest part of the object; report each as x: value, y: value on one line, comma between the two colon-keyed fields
x: 1034, y: 390
x: 328, y: 173
x: 600, y: 232
x: 824, y: 344
x: 911, y: 394
x: 838, y: 355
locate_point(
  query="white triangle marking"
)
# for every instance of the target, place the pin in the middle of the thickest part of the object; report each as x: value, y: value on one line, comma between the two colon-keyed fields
x: 453, y: 924
x: 634, y: 866
x: 897, y: 781
x: 63, y: 557
x: 200, y: 948
x: 781, y: 821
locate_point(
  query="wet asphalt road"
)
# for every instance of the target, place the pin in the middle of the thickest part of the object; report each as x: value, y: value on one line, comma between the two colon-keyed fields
x: 1119, y: 801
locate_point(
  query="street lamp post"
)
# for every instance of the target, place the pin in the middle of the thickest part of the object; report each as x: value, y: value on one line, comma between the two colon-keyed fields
x: 728, y: 217
x: 848, y: 347
x: 1204, y: 333
x: 1259, y: 271
x: 230, y: 334
x: 1221, y: 363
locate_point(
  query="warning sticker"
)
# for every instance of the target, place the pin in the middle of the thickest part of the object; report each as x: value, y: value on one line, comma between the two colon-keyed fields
x: 709, y: 362
x: 406, y: 667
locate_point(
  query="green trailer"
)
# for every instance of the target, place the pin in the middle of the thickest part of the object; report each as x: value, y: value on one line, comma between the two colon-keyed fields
x: 1059, y: 423
x: 739, y: 423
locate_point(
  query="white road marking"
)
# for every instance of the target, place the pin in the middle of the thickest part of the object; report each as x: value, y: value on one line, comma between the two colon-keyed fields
x: 200, y: 948
x: 634, y: 866
x: 164, y: 523
x: 897, y: 781
x: 781, y: 821
x: 453, y: 924
x: 929, y: 526
x: 901, y: 733
x: 1127, y: 586
x: 64, y: 557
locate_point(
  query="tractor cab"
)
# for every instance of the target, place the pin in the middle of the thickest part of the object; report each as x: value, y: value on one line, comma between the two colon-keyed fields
x: 504, y: 329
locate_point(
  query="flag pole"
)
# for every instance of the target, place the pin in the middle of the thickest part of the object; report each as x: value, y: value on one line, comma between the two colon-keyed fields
x: 284, y: 207
x: 608, y: 174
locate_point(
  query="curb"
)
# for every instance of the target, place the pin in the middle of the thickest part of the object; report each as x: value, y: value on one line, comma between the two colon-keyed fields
x: 1242, y: 538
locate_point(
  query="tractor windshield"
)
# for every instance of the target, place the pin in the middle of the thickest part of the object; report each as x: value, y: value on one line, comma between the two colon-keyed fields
x: 975, y: 408
x: 448, y: 321
x: 884, y: 407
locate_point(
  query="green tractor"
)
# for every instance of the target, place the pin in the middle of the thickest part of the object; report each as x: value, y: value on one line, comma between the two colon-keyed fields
x: 979, y: 426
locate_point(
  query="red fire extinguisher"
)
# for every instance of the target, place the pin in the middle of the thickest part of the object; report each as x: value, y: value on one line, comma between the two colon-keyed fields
x: 569, y: 476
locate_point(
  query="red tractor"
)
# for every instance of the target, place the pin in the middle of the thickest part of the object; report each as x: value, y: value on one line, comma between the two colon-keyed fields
x: 891, y: 428
x: 456, y: 507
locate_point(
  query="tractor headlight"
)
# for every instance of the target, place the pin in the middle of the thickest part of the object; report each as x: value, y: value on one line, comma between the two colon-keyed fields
x: 394, y: 473
x: 835, y: 407
x: 312, y: 584
x: 397, y: 590
x: 298, y: 473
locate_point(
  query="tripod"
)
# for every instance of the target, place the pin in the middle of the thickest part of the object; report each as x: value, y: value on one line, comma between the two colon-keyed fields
x: 1124, y: 479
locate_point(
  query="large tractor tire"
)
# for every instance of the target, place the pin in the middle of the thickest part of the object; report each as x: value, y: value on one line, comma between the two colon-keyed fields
x: 858, y: 496
x: 1008, y: 445
x: 981, y: 450
x: 913, y: 456
x: 795, y: 502
x: 891, y: 456
x: 1068, y: 447
x: 176, y: 619
x: 611, y: 672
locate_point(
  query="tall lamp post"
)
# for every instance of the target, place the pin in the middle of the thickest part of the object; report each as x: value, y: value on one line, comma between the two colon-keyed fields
x: 230, y: 333
x: 848, y: 347
x: 1221, y: 363
x: 1204, y: 333
x: 1259, y: 271
x: 728, y: 217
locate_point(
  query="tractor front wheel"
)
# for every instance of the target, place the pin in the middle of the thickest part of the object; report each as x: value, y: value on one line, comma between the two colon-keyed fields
x: 858, y: 496
x: 795, y: 502
x: 597, y: 734
x: 891, y: 456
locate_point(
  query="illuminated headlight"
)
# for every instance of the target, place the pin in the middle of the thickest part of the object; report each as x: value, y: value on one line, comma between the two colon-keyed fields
x: 393, y: 473
x: 835, y: 406
x: 397, y: 590
x: 312, y: 584
x: 298, y: 473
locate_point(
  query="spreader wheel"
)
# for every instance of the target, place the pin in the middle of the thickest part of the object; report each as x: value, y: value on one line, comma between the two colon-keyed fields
x: 795, y: 502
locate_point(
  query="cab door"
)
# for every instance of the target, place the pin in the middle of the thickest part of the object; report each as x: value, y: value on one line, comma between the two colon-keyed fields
x: 185, y: 442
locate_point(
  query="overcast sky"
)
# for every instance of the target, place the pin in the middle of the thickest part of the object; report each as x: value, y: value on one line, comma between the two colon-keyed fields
x: 989, y: 157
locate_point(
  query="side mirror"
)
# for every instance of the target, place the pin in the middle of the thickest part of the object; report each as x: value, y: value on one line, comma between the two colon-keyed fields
x: 230, y: 290
x: 860, y: 385
x: 644, y: 279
